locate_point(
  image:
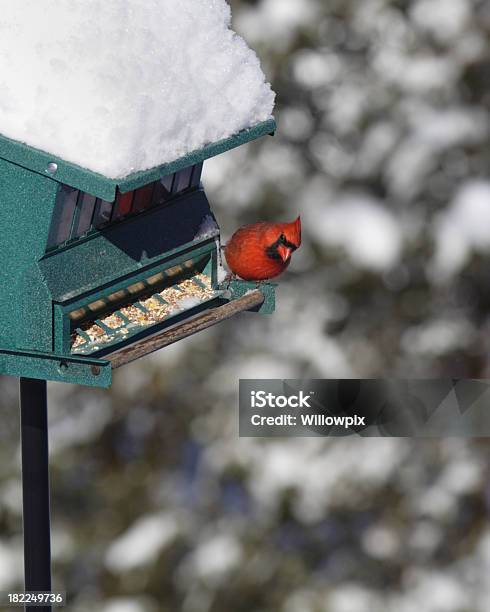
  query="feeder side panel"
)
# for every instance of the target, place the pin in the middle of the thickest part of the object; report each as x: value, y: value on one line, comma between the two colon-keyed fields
x: 125, y: 248
x: 34, y: 313
x: 26, y: 205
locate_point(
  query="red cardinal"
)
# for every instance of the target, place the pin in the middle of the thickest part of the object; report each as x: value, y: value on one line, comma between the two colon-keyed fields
x: 262, y: 250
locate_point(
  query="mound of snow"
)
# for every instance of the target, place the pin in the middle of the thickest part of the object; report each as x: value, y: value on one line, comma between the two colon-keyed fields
x: 119, y: 86
x: 461, y: 230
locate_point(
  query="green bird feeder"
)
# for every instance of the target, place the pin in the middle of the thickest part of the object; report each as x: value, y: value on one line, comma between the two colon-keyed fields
x: 89, y: 261
x: 97, y: 273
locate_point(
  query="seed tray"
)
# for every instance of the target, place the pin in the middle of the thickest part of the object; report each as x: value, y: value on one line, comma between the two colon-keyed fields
x: 143, y: 313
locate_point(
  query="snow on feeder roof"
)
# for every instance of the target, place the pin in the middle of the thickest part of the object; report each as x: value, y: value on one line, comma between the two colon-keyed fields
x: 123, y: 87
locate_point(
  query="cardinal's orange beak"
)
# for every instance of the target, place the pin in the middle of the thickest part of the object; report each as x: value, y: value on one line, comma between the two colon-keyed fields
x: 284, y: 252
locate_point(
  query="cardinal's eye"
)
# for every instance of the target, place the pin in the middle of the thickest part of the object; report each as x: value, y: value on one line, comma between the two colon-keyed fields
x: 282, y: 239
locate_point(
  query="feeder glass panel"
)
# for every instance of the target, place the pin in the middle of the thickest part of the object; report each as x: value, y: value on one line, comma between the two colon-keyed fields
x: 196, y: 175
x: 87, y: 205
x: 63, y: 216
x: 143, y: 198
x: 183, y: 180
x: 166, y: 182
x: 103, y: 213
x: 124, y: 204
x: 77, y: 213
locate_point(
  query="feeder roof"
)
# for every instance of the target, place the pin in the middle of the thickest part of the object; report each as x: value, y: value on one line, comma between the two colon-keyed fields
x: 125, y: 87
x: 104, y: 187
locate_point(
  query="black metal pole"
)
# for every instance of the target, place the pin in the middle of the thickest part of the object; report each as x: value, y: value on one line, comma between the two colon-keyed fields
x: 35, y: 487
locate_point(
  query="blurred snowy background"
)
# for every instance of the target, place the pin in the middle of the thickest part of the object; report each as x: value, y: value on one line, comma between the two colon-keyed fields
x: 383, y: 147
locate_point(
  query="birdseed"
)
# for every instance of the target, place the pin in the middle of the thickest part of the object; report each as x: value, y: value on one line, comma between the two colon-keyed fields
x: 154, y: 311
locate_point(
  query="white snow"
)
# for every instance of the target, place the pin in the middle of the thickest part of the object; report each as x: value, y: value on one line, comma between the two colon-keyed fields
x: 334, y: 472
x: 125, y: 604
x: 433, y: 591
x: 445, y: 20
x: 119, y: 86
x: 84, y: 421
x: 461, y: 229
x: 207, y: 229
x: 444, y: 129
x: 427, y: 73
x: 431, y: 134
x: 381, y: 542
x: 437, y: 337
x: 216, y: 556
x: 352, y: 597
x: 222, y: 273
x: 188, y: 303
x: 360, y: 225
x: 296, y: 123
x: 277, y: 21
x: 312, y: 69
x: 10, y: 565
x: 142, y: 542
